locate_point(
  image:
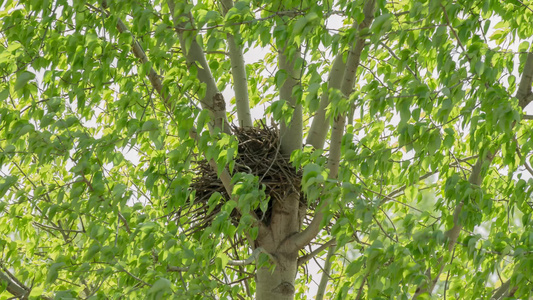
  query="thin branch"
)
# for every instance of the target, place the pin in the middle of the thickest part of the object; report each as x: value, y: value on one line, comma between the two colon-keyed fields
x: 305, y: 258
x: 177, y: 269
x: 360, y: 291
x: 250, y: 260
x: 326, y: 275
x: 398, y: 59
x: 526, y: 165
x: 448, y: 276
x: 524, y: 97
x: 453, y: 31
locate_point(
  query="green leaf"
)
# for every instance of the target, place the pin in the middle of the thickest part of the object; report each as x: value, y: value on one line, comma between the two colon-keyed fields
x: 22, y: 79
x: 159, y: 289
x: 53, y: 272
x: 411, y: 192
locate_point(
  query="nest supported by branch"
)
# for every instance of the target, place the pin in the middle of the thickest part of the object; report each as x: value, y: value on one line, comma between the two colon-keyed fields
x: 258, y: 154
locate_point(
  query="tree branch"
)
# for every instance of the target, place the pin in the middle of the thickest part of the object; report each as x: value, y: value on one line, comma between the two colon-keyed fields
x: 216, y: 109
x: 250, y: 260
x: 238, y: 72
x: 524, y: 88
x: 13, y: 287
x: 325, y: 275
x: 320, y: 126
x: 140, y: 54
x: 244, y: 262
x: 502, y: 291
x: 290, y: 134
x: 352, y: 63
x: 523, y: 94
x: 305, y: 258
x: 213, y: 100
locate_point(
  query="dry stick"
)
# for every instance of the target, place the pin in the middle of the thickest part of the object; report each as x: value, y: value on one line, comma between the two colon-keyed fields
x: 524, y: 98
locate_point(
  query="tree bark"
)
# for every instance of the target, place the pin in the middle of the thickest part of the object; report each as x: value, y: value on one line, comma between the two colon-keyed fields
x: 213, y: 100
x: 320, y: 126
x: 291, y: 133
x: 238, y: 72
x: 278, y: 283
x: 325, y: 275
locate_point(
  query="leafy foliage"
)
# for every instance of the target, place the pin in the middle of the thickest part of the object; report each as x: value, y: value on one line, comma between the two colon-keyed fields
x: 96, y: 158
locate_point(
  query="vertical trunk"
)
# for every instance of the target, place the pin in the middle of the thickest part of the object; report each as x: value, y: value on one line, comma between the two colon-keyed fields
x: 277, y: 283
x: 276, y: 280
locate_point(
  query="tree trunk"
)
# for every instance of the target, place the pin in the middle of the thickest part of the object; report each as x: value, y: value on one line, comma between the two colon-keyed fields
x: 276, y: 279
x: 277, y: 283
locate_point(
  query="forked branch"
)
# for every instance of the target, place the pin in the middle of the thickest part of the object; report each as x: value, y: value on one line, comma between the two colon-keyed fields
x: 352, y: 63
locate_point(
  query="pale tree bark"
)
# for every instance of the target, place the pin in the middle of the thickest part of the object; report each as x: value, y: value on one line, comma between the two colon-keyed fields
x: 339, y: 123
x: 291, y: 134
x: 238, y: 72
x: 320, y: 126
x: 286, y: 215
x: 15, y: 288
x: 279, y: 282
x: 326, y: 271
x: 524, y: 96
x: 213, y: 99
x: 352, y: 63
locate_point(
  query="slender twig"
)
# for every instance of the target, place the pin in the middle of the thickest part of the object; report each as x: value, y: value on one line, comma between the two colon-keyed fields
x: 250, y: 260
x: 305, y: 258
x: 448, y: 275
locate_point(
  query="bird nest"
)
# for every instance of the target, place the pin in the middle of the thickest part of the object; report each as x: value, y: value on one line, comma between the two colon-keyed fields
x: 258, y: 154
